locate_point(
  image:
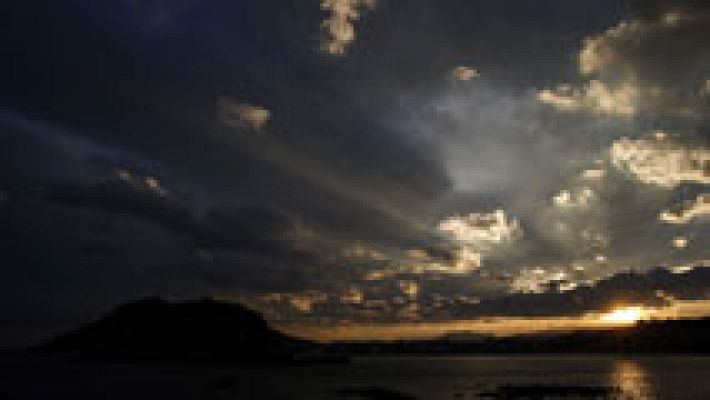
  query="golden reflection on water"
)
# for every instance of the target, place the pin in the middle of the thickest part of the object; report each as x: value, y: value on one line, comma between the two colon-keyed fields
x: 632, y: 380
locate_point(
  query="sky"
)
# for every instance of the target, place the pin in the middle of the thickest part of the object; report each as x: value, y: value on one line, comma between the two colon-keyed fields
x: 355, y: 168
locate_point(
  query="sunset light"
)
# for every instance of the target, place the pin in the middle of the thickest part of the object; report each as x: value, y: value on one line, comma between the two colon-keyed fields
x: 626, y: 315
x: 355, y: 199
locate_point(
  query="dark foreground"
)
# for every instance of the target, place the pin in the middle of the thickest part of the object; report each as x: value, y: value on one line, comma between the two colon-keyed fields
x: 404, y: 377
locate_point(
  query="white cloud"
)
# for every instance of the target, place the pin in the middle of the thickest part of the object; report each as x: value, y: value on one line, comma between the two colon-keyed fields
x: 593, y: 174
x: 481, y: 230
x: 475, y: 235
x: 663, y: 163
x: 576, y: 198
x: 340, y: 31
x: 687, y: 267
x: 602, y: 51
x: 466, y: 260
x: 596, y: 96
x: 680, y: 242
x: 539, y: 280
x: 689, y: 211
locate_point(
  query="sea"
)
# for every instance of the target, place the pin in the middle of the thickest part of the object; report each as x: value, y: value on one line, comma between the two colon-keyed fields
x: 625, y: 377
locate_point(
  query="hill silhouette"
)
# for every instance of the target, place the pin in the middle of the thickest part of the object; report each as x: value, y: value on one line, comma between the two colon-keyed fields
x: 204, y: 330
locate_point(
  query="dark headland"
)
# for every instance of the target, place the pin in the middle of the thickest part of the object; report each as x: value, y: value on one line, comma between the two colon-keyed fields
x: 201, y: 331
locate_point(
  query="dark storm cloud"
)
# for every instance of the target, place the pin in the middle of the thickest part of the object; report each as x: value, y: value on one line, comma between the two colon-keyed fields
x: 250, y: 229
x: 660, y: 49
x: 125, y: 193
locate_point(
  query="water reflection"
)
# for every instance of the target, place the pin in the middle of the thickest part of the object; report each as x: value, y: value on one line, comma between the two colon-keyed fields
x: 632, y: 380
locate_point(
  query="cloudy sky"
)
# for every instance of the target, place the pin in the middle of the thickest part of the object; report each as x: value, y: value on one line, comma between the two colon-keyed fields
x: 355, y: 163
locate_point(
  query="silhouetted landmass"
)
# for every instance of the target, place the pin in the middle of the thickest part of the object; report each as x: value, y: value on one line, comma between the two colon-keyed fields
x: 211, y: 331
x: 668, y: 336
x: 204, y: 330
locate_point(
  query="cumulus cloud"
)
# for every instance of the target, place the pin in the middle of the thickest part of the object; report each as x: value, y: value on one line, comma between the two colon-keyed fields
x: 481, y: 230
x: 661, y: 162
x: 339, y: 24
x: 654, y: 59
x: 234, y: 114
x: 476, y: 234
x: 688, y: 211
x: 539, y: 280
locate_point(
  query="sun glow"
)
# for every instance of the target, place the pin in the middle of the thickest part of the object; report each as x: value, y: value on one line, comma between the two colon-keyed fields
x: 626, y: 315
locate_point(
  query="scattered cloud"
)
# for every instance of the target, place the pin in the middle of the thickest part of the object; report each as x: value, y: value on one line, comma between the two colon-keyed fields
x: 575, y: 198
x: 662, y: 162
x: 539, y: 280
x: 481, y: 230
x: 680, y: 242
x: 237, y: 115
x: 464, y: 73
x: 339, y: 24
x: 476, y: 234
x: 593, y: 174
x: 352, y: 296
x: 534, y: 292
x: 596, y: 96
x: 360, y: 251
x: 409, y: 288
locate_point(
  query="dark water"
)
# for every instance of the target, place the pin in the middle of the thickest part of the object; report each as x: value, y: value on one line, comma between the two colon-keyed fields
x: 430, y: 378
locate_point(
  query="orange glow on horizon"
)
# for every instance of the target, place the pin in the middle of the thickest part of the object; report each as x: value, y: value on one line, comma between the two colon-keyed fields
x: 619, y: 317
x: 625, y: 315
